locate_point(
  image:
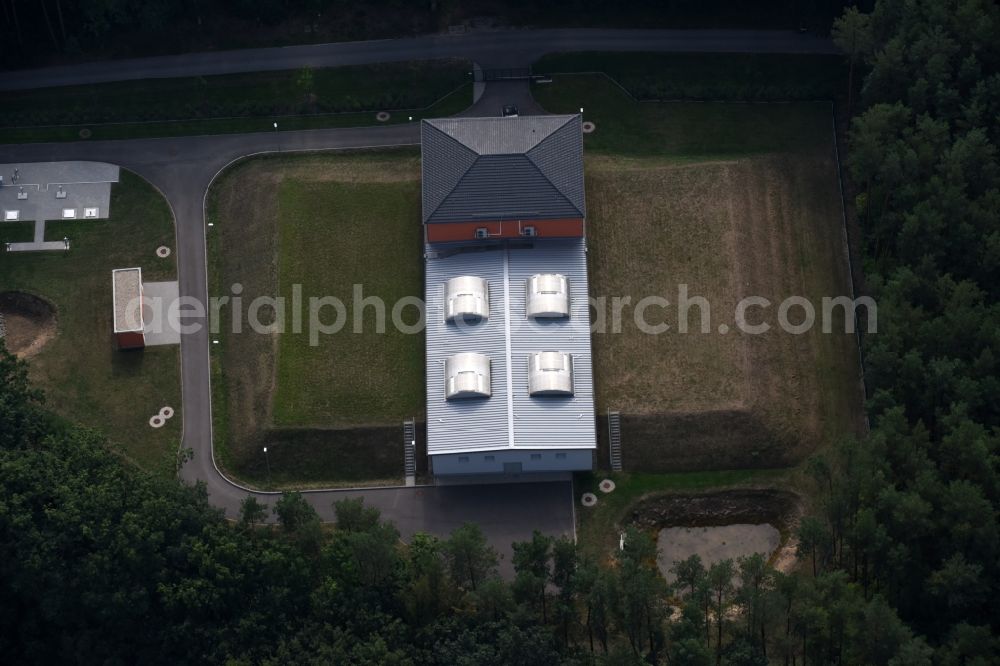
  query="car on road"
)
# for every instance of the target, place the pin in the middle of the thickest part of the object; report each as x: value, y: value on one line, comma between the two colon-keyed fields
x: 509, y: 111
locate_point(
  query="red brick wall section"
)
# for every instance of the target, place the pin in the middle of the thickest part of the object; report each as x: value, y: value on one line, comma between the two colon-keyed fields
x: 131, y: 340
x: 445, y: 232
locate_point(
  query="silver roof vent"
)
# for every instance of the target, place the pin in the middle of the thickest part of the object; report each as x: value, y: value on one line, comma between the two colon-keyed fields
x: 466, y: 297
x: 550, y: 373
x: 548, y: 296
x: 467, y: 375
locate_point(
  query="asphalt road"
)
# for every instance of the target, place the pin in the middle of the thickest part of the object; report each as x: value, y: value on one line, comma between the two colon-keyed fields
x: 503, y: 48
x: 184, y: 168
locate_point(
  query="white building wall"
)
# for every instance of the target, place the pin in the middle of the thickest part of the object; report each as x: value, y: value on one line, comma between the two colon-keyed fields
x: 493, y: 462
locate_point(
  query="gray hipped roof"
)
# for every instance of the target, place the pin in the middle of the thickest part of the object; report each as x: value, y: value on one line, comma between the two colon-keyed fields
x: 502, y: 168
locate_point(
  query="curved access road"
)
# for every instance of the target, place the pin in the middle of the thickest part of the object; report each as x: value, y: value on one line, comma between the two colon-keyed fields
x: 183, y: 169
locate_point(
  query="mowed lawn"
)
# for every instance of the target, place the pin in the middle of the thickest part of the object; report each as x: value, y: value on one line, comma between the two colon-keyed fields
x: 330, y: 413
x: 731, y: 200
x: 84, y: 377
x: 296, y: 99
x: 335, y: 235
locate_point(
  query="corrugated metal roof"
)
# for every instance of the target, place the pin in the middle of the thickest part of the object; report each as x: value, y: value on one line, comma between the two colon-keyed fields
x: 502, y: 168
x: 510, y: 418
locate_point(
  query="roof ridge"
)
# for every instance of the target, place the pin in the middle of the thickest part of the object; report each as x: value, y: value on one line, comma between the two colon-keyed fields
x: 528, y: 155
x: 549, y: 181
x: 475, y: 159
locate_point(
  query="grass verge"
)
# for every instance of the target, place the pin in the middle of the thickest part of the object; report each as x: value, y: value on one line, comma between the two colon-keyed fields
x: 236, y: 103
x: 683, y: 131
x: 84, y: 377
x: 710, y: 76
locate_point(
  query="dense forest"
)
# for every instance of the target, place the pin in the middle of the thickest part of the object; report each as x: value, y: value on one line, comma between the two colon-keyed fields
x: 40, y: 31
x: 910, y: 513
x: 101, y: 562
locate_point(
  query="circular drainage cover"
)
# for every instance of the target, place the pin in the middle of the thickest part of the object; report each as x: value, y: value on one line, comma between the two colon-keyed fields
x: 588, y: 127
x: 588, y: 499
x: 606, y: 486
x: 163, y: 252
x: 167, y: 412
x: 382, y: 116
x: 157, y: 421
x: 85, y: 133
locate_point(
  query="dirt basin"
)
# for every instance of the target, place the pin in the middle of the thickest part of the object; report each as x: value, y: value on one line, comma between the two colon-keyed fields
x: 714, y: 544
x: 720, y: 525
x: 29, y: 321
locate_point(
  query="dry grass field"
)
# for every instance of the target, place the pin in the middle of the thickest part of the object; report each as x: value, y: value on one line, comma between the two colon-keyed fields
x: 758, y: 226
x: 732, y: 201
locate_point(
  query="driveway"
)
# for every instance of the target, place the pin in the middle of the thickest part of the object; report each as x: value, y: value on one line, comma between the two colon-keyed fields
x: 183, y: 168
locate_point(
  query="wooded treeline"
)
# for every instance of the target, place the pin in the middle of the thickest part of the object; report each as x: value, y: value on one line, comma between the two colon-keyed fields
x: 910, y: 513
x: 103, y: 563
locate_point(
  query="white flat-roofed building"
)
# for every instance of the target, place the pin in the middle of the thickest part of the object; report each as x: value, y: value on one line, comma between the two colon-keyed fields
x: 40, y: 191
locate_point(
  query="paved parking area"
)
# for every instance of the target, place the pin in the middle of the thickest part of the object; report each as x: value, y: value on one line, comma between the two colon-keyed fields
x: 157, y: 299
x: 505, y: 512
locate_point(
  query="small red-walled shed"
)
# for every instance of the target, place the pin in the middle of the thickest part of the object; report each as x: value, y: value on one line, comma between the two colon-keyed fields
x: 126, y: 290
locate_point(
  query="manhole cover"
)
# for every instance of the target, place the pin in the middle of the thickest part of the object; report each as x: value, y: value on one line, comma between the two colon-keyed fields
x: 85, y: 133
x: 167, y: 412
x: 163, y: 252
x: 606, y: 486
x: 588, y: 499
x: 157, y: 421
x: 382, y: 116
x: 588, y: 127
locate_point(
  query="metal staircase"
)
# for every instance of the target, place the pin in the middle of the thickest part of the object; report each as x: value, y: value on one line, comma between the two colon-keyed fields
x: 410, y: 451
x: 615, y: 438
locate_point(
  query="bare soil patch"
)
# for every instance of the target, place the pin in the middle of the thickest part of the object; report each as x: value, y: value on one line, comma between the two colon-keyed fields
x: 746, y: 505
x: 714, y: 544
x: 747, y: 513
x: 29, y: 320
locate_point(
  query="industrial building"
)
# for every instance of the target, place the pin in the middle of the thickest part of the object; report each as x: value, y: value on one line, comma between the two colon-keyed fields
x: 510, y: 386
